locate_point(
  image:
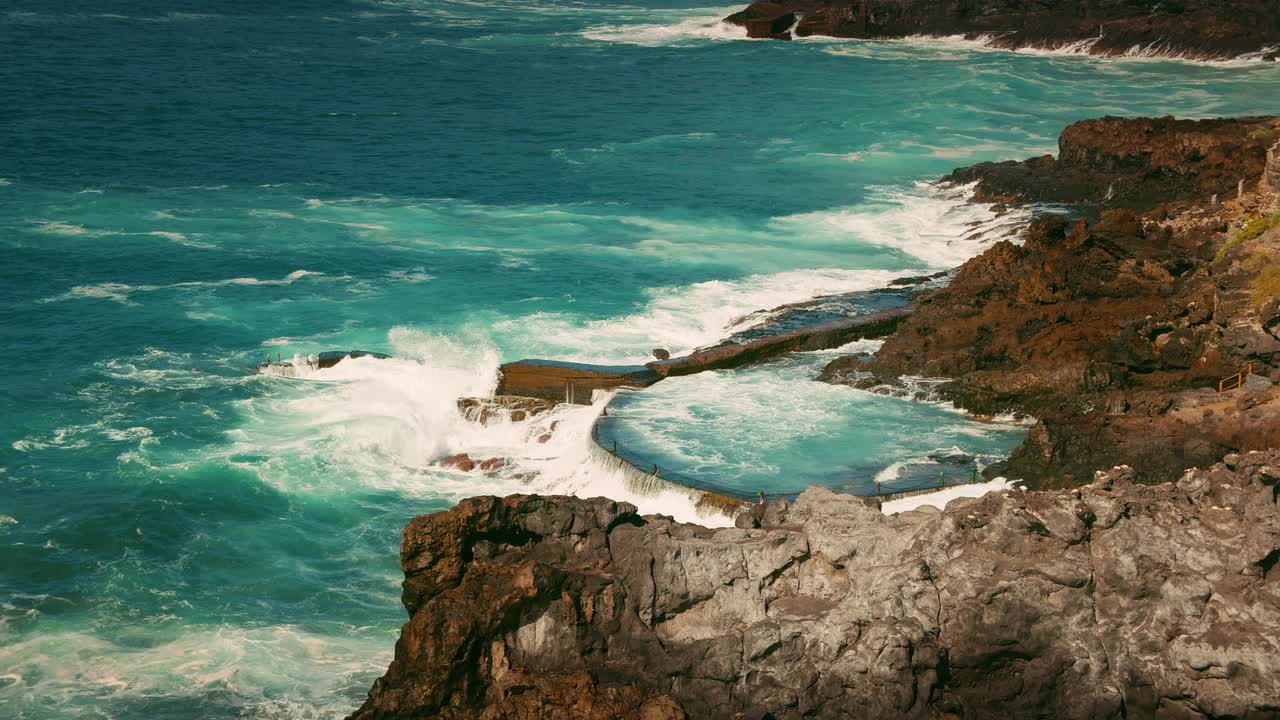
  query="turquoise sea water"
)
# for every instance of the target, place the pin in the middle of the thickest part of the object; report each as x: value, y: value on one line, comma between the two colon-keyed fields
x: 189, y: 186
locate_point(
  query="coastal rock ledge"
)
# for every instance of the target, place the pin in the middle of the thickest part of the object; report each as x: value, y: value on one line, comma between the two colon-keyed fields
x: 1204, y: 29
x: 1111, y: 600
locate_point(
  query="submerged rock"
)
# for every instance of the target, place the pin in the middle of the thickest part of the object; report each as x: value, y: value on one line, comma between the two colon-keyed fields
x: 1114, y: 600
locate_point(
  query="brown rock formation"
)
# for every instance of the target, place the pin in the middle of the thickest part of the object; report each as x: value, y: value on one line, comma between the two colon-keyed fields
x: 1134, y: 163
x: 1115, y: 600
x: 1272, y: 176
x: 1115, y: 333
x: 1205, y: 29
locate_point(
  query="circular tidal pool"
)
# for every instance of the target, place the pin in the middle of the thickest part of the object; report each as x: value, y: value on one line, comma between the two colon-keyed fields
x: 772, y: 428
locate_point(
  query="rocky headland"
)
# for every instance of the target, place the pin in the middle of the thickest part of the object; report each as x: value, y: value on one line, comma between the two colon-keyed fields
x: 1216, y: 29
x: 1150, y: 275
x: 1115, y: 325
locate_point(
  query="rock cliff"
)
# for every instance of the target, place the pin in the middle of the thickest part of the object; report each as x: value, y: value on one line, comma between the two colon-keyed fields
x: 1114, y: 600
x: 1207, y: 29
x: 1115, y: 332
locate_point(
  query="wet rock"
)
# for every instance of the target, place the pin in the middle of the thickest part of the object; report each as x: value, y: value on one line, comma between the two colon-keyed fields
x: 512, y: 408
x: 1114, y: 332
x: 492, y: 464
x: 1134, y: 163
x: 1112, y: 600
x: 951, y: 458
x: 461, y: 461
x: 1210, y: 29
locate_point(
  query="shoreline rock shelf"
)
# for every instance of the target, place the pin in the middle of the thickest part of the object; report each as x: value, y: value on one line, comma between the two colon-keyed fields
x: 571, y: 382
x: 1114, y: 331
x: 1112, y: 600
x: 1204, y: 30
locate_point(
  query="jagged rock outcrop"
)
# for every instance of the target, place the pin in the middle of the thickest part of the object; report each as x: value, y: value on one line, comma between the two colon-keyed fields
x: 1134, y: 163
x: 1272, y: 176
x: 1114, y: 600
x: 1207, y: 29
x: 1113, y: 333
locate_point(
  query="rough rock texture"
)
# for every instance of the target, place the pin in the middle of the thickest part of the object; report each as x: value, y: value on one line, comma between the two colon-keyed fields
x: 1115, y: 600
x: 1273, y: 169
x: 1202, y: 29
x: 503, y: 408
x: 1116, y: 333
x: 1134, y: 163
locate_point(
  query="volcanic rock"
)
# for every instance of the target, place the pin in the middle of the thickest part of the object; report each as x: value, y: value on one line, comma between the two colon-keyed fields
x: 512, y: 408
x: 1111, y: 601
x: 1210, y: 29
x: 1133, y: 163
x: 1113, y: 333
x: 461, y: 461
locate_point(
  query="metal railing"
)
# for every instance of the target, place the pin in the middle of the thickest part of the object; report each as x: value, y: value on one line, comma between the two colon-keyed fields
x: 1231, y: 382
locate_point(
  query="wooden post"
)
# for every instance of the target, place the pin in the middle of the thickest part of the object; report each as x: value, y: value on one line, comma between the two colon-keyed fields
x: 1240, y: 189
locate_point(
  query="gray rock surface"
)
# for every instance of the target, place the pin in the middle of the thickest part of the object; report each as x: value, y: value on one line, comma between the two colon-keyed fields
x: 1111, y: 600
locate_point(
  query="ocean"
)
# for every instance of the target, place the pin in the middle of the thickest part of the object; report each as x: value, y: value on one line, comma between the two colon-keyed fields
x: 189, y: 187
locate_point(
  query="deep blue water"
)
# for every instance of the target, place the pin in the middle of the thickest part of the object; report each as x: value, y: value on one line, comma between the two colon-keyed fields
x: 189, y: 186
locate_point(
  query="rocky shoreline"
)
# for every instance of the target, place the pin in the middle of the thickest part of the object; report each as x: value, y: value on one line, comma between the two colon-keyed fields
x: 1215, y: 30
x: 1152, y: 271
x: 1114, y: 328
x: 1114, y: 600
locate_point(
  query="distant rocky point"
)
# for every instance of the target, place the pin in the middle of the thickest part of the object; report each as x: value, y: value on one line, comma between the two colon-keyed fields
x: 1211, y: 29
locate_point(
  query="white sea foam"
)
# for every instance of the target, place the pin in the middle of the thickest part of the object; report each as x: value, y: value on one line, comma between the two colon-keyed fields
x: 387, y: 424
x: 315, y: 204
x: 937, y: 225
x: 181, y: 239
x: 683, y: 318
x: 416, y: 275
x: 940, y: 498
x: 133, y: 433
x: 958, y: 47
x: 247, y: 667
x: 702, y: 24
x: 58, y: 227
x: 121, y: 292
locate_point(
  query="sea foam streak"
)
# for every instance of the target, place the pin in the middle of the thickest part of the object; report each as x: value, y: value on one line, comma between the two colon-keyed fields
x: 387, y: 423
x: 935, y: 224
x: 696, y: 25
x: 121, y: 292
x: 683, y: 318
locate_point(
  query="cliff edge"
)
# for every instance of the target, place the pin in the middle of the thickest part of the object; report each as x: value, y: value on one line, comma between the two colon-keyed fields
x: 1155, y: 278
x: 1114, y: 600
